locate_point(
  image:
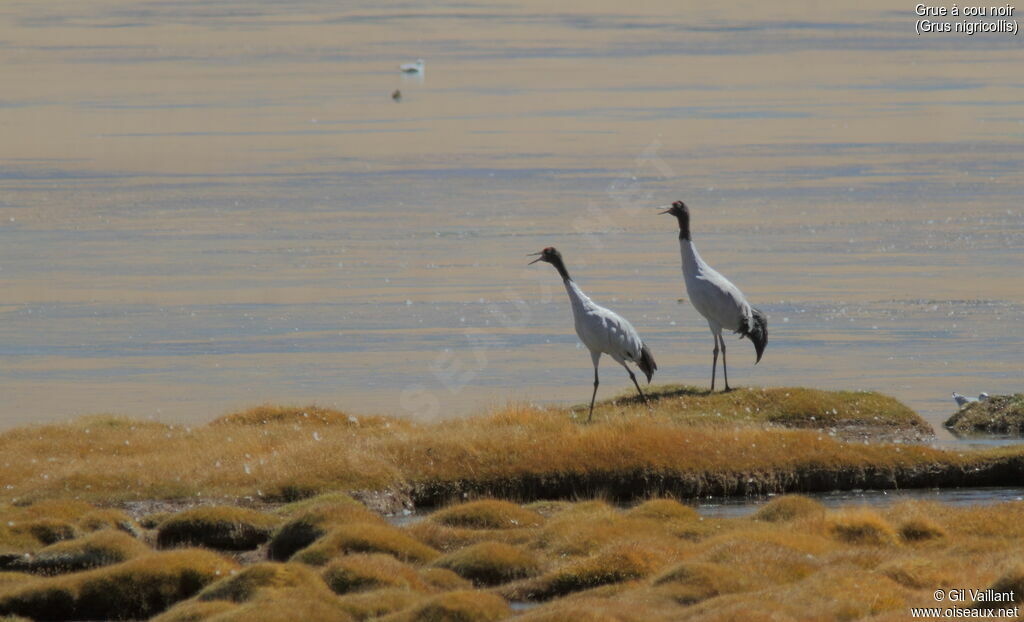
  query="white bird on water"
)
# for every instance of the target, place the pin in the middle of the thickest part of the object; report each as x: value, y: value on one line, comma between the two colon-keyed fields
x: 720, y: 302
x: 963, y: 400
x: 603, y: 331
x: 416, y: 67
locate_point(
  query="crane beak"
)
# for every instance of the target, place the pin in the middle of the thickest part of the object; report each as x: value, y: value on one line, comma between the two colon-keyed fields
x: 535, y: 260
x: 667, y: 210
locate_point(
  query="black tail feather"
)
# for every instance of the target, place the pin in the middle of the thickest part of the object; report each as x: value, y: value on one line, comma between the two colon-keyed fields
x: 757, y: 332
x: 646, y: 362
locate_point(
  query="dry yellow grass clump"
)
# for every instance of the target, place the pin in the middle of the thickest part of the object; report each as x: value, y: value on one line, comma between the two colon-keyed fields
x: 217, y: 527
x: 365, y: 538
x: 463, y: 606
x: 359, y: 572
x: 491, y: 563
x: 487, y: 514
x: 312, y: 518
x: 138, y: 588
x: 789, y: 507
x: 265, y: 591
x: 100, y: 548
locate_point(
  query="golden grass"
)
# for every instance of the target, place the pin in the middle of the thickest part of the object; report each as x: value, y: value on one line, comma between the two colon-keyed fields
x: 138, y: 588
x: 487, y: 514
x: 789, y: 507
x: 360, y: 572
x: 265, y: 591
x: 100, y: 548
x: 379, y: 603
x: 861, y: 526
x: 217, y: 527
x: 311, y: 519
x: 460, y: 606
x: 586, y: 560
x: 693, y: 442
x: 365, y: 538
x: 490, y: 563
x: 664, y: 509
x: 622, y: 561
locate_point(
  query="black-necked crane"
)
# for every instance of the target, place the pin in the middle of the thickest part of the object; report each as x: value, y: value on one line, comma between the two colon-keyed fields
x: 603, y: 331
x: 721, y: 303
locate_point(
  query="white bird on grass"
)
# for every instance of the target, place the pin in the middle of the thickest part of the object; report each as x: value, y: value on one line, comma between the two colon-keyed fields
x: 416, y: 67
x: 720, y: 302
x: 603, y: 331
x: 963, y: 400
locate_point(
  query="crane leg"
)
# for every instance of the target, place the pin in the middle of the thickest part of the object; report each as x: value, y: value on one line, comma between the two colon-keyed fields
x: 593, y: 396
x: 725, y: 368
x: 714, y: 361
x: 637, y: 385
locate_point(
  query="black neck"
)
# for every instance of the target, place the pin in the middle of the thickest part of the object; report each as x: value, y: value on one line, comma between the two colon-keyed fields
x: 557, y: 263
x: 684, y: 226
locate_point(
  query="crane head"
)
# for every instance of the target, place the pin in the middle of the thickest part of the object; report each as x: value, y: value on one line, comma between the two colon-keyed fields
x: 682, y: 213
x: 549, y: 254
x: 677, y: 209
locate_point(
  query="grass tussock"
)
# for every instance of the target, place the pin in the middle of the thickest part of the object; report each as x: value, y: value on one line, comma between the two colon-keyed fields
x: 487, y: 514
x: 920, y: 529
x: 100, y: 548
x: 789, y: 507
x: 361, y: 572
x: 861, y: 526
x: 312, y: 519
x: 1011, y: 581
x: 460, y: 606
x: 219, y: 527
x: 365, y: 538
x: 664, y: 509
x: 444, y: 580
x: 625, y: 561
x: 135, y: 589
x: 246, y: 585
x: 491, y: 563
x: 379, y: 603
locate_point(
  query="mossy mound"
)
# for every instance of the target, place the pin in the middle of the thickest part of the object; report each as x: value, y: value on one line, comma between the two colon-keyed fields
x: 244, y: 586
x: 135, y: 589
x: 379, y: 603
x: 789, y: 507
x: 361, y: 572
x: 444, y: 580
x: 490, y: 563
x: 691, y: 582
x: 461, y: 606
x: 266, y: 591
x: 487, y: 514
x: 311, y: 520
x: 664, y: 509
x: 365, y: 538
x: 861, y: 527
x: 920, y: 529
x: 217, y: 527
x: 108, y: 518
x: 100, y: 548
x: 617, y: 563
x: 999, y: 414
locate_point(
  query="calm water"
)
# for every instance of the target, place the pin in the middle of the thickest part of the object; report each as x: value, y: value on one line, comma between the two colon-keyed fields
x: 204, y: 206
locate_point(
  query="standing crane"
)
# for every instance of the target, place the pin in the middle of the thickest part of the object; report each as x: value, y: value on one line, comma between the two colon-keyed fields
x: 603, y: 331
x: 721, y: 303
